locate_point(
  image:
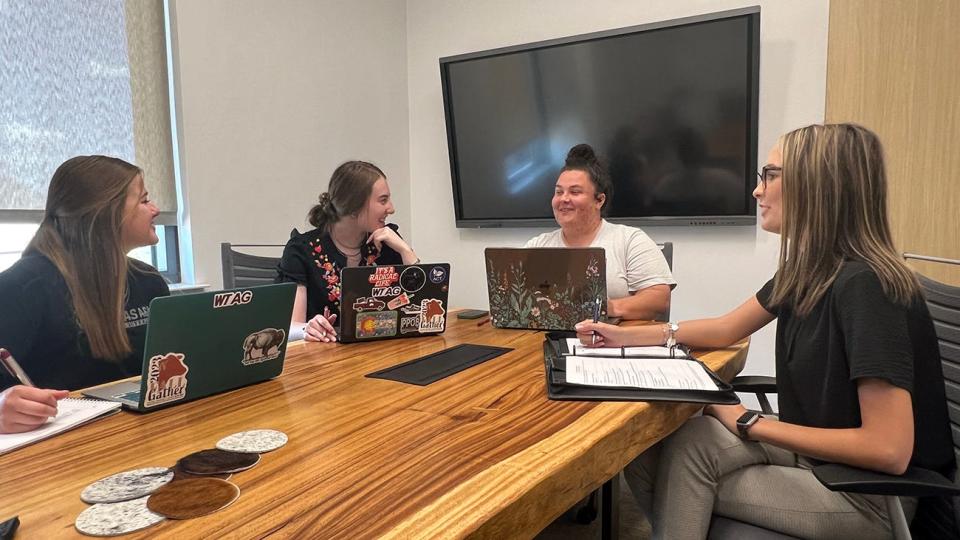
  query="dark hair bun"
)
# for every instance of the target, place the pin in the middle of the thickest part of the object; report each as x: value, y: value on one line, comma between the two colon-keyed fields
x: 580, y: 155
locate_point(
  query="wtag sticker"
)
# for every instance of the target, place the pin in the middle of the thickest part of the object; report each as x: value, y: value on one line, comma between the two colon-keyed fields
x: 262, y: 346
x: 431, y: 315
x: 386, y: 291
x: 166, y: 379
x: 376, y: 324
x: 233, y: 298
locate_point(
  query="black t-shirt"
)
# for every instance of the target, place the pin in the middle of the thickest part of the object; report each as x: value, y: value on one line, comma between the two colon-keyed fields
x: 311, y: 259
x: 855, y: 331
x: 39, y: 327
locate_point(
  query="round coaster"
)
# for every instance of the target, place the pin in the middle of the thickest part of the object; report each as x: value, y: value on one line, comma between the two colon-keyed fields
x: 256, y: 441
x: 215, y: 461
x: 126, y: 485
x: 180, y: 474
x: 117, y: 518
x: 192, y: 497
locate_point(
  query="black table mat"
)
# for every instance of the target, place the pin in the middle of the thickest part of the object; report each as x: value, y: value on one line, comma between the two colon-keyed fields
x: 433, y: 367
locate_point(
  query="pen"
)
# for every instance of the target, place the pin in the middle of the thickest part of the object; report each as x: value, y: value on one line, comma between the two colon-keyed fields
x: 596, y: 318
x: 483, y: 321
x: 14, y: 368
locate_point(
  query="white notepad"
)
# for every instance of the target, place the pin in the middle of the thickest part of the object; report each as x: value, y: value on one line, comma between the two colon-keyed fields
x: 71, y: 412
x: 579, y: 349
x: 651, y: 373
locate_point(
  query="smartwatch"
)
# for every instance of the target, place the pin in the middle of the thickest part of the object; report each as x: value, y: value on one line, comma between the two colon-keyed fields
x: 745, y: 422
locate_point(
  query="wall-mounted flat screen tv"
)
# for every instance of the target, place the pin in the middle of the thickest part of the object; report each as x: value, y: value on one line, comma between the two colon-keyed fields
x: 670, y: 106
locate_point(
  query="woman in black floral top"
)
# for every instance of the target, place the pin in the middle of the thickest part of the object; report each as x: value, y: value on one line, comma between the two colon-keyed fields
x: 351, y: 230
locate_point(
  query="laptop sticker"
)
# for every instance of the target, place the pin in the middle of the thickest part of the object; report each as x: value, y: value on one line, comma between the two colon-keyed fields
x: 438, y: 274
x: 376, y: 324
x: 262, y: 346
x: 233, y: 298
x: 410, y: 324
x: 412, y: 279
x: 399, y: 301
x: 385, y: 291
x: 384, y: 276
x: 368, y: 303
x: 411, y: 309
x: 431, y: 315
x: 166, y: 379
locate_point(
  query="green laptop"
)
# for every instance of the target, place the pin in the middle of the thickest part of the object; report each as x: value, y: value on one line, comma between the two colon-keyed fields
x: 207, y: 343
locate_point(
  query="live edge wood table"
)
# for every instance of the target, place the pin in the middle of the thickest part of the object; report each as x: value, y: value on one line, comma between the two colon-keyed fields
x: 482, y: 453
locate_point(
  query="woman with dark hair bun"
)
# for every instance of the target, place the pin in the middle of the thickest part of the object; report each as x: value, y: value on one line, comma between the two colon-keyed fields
x: 638, y: 277
x: 75, y: 307
x: 351, y: 230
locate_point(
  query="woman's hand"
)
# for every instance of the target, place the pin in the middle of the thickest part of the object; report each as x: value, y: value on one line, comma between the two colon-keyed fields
x: 23, y: 408
x: 727, y: 415
x: 598, y: 334
x: 320, y: 328
x: 386, y: 235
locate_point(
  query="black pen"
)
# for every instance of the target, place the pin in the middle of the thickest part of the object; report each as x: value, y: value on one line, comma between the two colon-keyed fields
x: 596, y: 318
x: 14, y: 368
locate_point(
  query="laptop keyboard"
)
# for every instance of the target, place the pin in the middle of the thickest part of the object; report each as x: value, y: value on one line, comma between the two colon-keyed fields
x: 131, y: 396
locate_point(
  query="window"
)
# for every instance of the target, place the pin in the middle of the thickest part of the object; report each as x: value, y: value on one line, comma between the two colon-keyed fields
x: 79, y: 78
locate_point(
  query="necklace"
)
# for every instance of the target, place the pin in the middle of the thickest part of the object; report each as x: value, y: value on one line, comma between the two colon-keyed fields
x: 344, y: 249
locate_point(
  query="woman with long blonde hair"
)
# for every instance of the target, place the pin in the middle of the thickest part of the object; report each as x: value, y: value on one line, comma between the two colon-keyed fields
x: 75, y: 307
x: 858, y: 370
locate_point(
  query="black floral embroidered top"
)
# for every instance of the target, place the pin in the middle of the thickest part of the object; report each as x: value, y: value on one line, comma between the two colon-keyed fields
x: 311, y: 259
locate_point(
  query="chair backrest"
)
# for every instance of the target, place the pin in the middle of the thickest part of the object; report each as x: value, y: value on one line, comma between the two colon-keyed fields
x: 245, y: 270
x: 943, y: 301
x: 667, y: 249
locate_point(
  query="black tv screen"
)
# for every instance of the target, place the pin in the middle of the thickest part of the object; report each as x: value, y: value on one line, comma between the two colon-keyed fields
x: 671, y: 107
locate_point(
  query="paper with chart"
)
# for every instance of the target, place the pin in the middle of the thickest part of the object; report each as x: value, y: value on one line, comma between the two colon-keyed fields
x: 648, y: 373
x: 579, y: 349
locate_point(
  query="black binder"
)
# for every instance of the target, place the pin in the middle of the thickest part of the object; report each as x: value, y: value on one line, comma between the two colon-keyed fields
x: 558, y: 389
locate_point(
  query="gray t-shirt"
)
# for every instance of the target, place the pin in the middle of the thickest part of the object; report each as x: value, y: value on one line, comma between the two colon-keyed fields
x: 634, y: 261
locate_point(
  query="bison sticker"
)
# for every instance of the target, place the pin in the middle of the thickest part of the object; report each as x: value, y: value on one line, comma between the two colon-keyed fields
x: 263, y: 346
x: 432, y: 315
x: 166, y: 379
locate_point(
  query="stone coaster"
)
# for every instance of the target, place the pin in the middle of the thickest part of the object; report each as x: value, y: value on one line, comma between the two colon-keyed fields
x: 117, y: 518
x: 215, y: 461
x: 126, y: 485
x: 255, y: 441
x: 192, y: 497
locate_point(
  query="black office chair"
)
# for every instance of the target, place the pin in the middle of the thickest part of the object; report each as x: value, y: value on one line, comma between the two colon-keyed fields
x: 588, y: 512
x: 938, y: 515
x: 245, y: 270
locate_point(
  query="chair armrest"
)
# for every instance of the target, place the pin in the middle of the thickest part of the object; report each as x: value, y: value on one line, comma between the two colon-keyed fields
x: 916, y: 482
x: 756, y: 384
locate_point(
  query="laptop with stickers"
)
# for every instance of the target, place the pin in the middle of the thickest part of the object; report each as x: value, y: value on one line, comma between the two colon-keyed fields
x: 207, y: 343
x: 384, y: 302
x: 545, y: 288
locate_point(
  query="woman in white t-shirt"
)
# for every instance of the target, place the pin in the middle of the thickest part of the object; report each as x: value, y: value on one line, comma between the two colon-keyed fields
x: 638, y: 277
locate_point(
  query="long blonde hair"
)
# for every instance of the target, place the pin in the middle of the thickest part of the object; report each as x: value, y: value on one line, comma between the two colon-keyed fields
x: 80, y: 234
x: 834, y: 193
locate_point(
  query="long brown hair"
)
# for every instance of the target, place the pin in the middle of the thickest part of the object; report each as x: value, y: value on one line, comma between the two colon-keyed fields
x: 834, y: 193
x: 80, y: 234
x: 347, y: 193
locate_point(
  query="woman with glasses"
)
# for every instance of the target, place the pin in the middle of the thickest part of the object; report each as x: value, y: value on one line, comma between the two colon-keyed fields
x: 858, y: 370
x: 638, y: 278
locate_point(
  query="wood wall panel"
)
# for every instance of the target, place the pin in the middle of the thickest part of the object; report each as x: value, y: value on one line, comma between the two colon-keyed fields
x: 894, y: 66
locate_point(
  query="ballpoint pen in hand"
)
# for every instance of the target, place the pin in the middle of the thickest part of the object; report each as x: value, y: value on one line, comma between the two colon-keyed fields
x: 596, y: 318
x: 14, y: 368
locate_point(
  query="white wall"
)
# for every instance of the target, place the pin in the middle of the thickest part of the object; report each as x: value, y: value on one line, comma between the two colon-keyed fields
x: 716, y: 267
x: 273, y: 95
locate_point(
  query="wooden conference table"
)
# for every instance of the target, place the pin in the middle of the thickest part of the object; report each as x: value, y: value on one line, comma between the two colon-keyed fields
x: 482, y: 453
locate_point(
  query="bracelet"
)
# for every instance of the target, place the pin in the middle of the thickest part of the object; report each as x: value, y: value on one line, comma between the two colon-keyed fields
x: 672, y: 329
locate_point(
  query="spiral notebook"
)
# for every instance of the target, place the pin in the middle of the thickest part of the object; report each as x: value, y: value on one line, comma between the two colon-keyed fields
x: 71, y: 413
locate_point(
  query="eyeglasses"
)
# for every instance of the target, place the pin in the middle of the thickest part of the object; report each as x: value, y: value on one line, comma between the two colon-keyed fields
x: 768, y: 174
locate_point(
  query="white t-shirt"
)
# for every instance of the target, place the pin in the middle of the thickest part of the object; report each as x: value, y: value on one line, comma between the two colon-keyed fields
x: 634, y: 261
